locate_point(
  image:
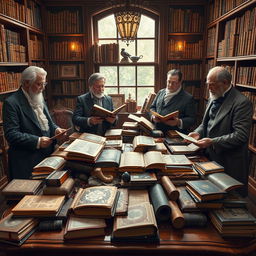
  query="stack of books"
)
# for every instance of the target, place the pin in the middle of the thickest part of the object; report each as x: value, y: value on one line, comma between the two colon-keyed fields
x: 144, y: 124
x: 114, y: 134
x: 143, y: 143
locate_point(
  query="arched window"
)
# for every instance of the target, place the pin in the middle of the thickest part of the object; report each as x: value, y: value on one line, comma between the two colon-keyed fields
x: 136, y: 79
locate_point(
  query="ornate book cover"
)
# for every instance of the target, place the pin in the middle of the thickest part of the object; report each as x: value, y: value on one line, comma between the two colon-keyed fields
x: 39, y: 205
x: 140, y: 221
x: 95, y: 201
x: 80, y: 227
x: 51, y: 163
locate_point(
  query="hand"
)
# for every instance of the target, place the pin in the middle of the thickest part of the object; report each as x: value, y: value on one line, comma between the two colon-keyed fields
x: 172, y: 122
x: 60, y: 130
x: 111, y: 119
x: 204, y: 143
x: 194, y: 135
x: 45, y: 142
x: 95, y: 120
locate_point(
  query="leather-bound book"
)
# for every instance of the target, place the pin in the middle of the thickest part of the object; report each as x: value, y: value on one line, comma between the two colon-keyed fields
x: 176, y: 215
x: 65, y: 188
x: 50, y: 225
x: 140, y: 180
x: 17, y: 188
x: 171, y: 190
x: 96, y: 202
x: 56, y: 178
x: 160, y: 203
x: 50, y: 163
x: 138, y: 196
x: 195, y: 219
x: 208, y: 167
x: 142, y: 143
x: 80, y: 227
x: 114, y: 134
x: 169, y: 116
x: 108, y: 158
x: 186, y: 202
x: 104, y: 113
x: 123, y: 201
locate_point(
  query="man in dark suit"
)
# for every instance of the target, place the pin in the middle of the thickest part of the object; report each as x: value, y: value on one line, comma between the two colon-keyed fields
x: 28, y: 125
x: 226, y: 124
x: 82, y: 114
x: 173, y: 98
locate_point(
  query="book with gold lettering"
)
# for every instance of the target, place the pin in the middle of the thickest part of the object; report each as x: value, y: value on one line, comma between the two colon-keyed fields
x: 104, y: 113
x: 140, y: 221
x: 16, y: 230
x: 138, y: 161
x: 50, y: 163
x: 17, y: 188
x: 96, y: 202
x: 80, y: 227
x: 39, y: 205
x: 167, y: 117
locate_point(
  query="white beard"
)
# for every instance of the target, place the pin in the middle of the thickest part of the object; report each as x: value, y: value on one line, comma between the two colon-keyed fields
x: 97, y: 95
x: 37, y: 98
x: 213, y: 96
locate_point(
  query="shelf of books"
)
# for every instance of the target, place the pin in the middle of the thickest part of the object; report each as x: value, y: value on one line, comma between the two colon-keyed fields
x: 231, y: 34
x: 66, y: 53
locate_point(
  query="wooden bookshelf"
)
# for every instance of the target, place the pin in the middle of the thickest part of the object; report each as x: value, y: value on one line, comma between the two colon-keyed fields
x: 230, y: 23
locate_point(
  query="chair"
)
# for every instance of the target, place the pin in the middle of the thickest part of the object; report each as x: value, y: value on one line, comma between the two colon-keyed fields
x: 63, y: 118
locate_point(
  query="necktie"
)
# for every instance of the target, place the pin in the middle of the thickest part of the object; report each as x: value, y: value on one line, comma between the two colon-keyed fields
x: 215, y: 107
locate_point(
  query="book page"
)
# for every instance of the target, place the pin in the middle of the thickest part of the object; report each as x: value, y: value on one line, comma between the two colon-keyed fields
x: 52, y: 162
x: 176, y: 160
x: 186, y: 137
x: 153, y: 157
x: 132, y: 159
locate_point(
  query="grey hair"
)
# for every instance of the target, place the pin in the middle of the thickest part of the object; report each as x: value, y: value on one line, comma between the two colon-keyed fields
x: 175, y: 72
x: 95, y: 77
x: 221, y: 74
x: 30, y: 74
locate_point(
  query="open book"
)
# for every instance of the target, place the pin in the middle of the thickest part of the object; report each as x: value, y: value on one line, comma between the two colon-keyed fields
x: 138, y: 161
x: 144, y: 124
x: 142, y: 143
x: 172, y: 115
x: 96, y: 202
x: 186, y: 137
x: 102, y: 112
x: 183, y: 149
x: 50, y: 163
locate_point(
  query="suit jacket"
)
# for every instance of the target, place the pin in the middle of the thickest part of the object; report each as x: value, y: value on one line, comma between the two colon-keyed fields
x: 183, y: 101
x: 22, y: 131
x: 83, y: 111
x: 230, y: 132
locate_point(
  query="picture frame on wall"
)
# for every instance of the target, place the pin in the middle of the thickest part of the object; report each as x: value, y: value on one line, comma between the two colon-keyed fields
x: 68, y: 71
x: 118, y: 100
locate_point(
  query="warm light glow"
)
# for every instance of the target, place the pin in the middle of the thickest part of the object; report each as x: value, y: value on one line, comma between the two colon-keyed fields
x: 180, y: 46
x: 73, y: 46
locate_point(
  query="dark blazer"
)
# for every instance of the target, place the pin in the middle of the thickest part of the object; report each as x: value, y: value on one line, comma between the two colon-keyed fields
x: 230, y: 132
x: 83, y: 111
x: 22, y: 131
x: 183, y: 101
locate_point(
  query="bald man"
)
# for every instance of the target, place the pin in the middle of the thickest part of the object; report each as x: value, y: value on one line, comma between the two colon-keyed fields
x: 225, y: 128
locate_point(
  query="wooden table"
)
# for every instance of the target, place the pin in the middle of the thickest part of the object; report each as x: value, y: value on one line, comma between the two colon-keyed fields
x: 188, y: 241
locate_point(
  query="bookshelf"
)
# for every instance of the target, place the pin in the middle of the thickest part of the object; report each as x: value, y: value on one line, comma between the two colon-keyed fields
x: 21, y: 44
x: 231, y: 34
x: 66, y: 52
x: 186, y: 44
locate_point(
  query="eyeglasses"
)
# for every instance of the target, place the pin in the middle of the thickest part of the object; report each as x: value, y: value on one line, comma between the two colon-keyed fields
x: 41, y: 84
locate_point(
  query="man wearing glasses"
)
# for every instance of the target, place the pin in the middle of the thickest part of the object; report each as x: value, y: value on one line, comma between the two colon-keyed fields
x: 171, y: 99
x: 225, y: 128
x: 27, y: 124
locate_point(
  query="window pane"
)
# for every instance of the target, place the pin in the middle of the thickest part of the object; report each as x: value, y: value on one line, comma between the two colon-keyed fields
x: 110, y: 90
x: 146, y: 75
x: 127, y: 76
x: 142, y: 94
x: 107, y: 27
x: 146, y: 48
x: 107, y: 42
x: 127, y: 91
x: 147, y: 27
x: 110, y: 72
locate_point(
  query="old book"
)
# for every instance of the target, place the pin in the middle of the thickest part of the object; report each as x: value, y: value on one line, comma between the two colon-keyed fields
x: 39, y: 205
x: 183, y: 149
x: 140, y: 180
x: 130, y: 125
x: 208, y: 167
x: 80, y: 227
x: 174, y: 141
x: 137, y: 196
x: 140, y: 221
x: 56, y: 178
x: 141, y: 143
x: 143, y: 122
x: 172, y: 134
x: 104, y: 113
x: 123, y: 201
x: 50, y: 163
x: 92, y: 138
x: 159, y: 147
x: 65, y: 188
x: 177, y: 163
x: 64, y: 145
x: 17, y: 188
x: 15, y: 229
x: 138, y: 161
x: 50, y: 225
x: 117, y: 144
x: 57, y: 136
x: 98, y: 201
x: 113, y: 134
x: 195, y: 219
x: 186, y: 137
x: 108, y: 158
x: 186, y: 202
x: 84, y: 150
x: 61, y: 153
x: 129, y: 133
x: 205, y: 190
x: 172, y: 115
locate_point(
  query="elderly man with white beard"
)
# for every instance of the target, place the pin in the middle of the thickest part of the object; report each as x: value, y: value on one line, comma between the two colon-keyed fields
x: 28, y: 126
x: 82, y: 114
x: 225, y: 127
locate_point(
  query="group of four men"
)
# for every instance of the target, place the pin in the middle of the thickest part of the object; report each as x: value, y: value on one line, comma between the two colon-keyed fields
x: 223, y: 133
